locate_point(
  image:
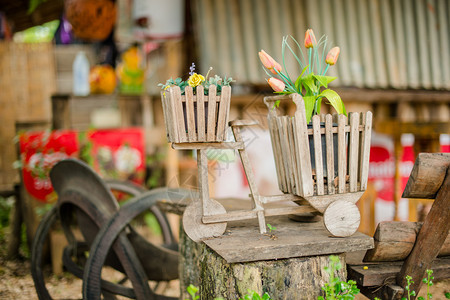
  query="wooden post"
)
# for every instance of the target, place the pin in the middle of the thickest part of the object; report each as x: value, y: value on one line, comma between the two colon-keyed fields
x: 430, y: 178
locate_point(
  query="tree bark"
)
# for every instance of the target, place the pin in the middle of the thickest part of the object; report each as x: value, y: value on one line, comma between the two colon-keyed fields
x: 292, y: 278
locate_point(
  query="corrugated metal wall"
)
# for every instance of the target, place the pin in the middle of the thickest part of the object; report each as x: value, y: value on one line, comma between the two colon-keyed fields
x: 384, y: 43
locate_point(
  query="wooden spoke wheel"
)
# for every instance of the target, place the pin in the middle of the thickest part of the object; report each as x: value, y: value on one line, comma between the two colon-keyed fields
x: 341, y: 218
x: 193, y: 225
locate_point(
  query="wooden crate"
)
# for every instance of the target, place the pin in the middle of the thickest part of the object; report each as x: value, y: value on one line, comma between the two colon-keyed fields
x: 291, y: 140
x: 192, y: 118
x: 27, y: 81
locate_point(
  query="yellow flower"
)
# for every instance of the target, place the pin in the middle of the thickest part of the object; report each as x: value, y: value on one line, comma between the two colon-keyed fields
x: 195, y: 80
x: 365, y: 267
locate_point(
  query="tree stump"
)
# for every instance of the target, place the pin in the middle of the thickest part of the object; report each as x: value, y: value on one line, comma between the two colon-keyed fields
x: 291, y: 276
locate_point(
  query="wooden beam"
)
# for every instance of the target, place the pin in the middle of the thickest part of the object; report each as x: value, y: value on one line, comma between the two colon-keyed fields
x: 432, y: 234
x: 395, y: 240
x: 377, y: 274
x: 427, y: 175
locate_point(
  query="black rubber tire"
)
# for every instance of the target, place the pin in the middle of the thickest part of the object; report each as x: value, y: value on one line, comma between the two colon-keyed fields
x: 51, y: 218
x: 40, y: 237
x: 111, y: 230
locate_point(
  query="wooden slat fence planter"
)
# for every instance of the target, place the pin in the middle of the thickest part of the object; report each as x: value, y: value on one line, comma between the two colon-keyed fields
x: 291, y: 140
x: 191, y: 118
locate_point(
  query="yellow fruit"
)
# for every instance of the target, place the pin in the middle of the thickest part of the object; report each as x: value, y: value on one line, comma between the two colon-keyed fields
x: 102, y: 79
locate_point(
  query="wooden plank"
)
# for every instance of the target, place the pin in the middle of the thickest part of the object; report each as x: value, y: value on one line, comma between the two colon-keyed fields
x: 302, y: 147
x: 201, y: 134
x: 253, y: 214
x: 353, y: 151
x: 394, y: 241
x: 321, y: 202
x: 285, y: 152
x: 213, y: 145
x: 277, y: 152
x: 293, y: 157
x: 167, y: 119
x: 365, y: 149
x: 330, y: 154
x: 427, y: 175
x: 190, y: 117
x: 378, y: 274
x: 179, y: 115
x: 318, y: 154
x: 293, y: 239
x: 342, y: 155
x: 251, y: 180
x: 243, y: 123
x: 211, y: 126
x: 430, y: 238
x: 172, y: 113
x: 224, y: 108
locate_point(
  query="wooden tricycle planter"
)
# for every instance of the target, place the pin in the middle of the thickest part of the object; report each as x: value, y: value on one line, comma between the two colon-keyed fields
x: 196, y: 118
x: 330, y: 191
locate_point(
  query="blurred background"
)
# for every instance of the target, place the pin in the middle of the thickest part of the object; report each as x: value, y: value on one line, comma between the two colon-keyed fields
x: 394, y: 61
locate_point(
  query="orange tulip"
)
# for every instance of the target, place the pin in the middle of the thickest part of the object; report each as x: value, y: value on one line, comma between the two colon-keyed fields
x: 269, y: 62
x: 332, y: 56
x: 310, y: 39
x: 276, y: 84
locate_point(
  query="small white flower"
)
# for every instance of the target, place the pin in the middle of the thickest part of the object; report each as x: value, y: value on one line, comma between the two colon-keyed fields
x: 127, y: 159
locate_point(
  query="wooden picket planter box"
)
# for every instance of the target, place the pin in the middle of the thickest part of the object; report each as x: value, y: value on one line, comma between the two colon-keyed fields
x: 196, y: 118
x: 290, y: 142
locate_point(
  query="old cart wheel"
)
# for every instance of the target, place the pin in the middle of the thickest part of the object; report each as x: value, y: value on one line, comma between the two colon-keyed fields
x: 193, y: 225
x: 341, y: 218
x: 158, y: 260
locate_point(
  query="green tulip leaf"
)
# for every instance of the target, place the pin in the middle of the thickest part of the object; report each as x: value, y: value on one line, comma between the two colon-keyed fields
x: 298, y: 82
x: 335, y: 100
x: 324, y: 80
x: 309, y: 84
x: 309, y: 106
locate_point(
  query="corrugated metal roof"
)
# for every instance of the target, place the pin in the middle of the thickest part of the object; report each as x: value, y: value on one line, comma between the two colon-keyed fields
x: 384, y: 44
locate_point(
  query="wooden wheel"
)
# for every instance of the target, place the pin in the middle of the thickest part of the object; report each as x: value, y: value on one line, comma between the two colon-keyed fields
x: 193, y: 225
x: 341, y: 218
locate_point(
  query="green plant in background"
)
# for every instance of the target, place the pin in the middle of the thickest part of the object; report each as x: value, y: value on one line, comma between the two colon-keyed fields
x: 196, y: 79
x: 429, y: 282
x: 271, y: 228
x: 252, y: 295
x: 447, y: 295
x: 336, y: 289
x: 409, y: 281
x: 192, y: 290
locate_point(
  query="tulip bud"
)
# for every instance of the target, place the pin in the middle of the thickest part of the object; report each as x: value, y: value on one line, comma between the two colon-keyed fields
x: 332, y: 56
x: 269, y: 62
x: 276, y: 84
x: 310, y: 39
